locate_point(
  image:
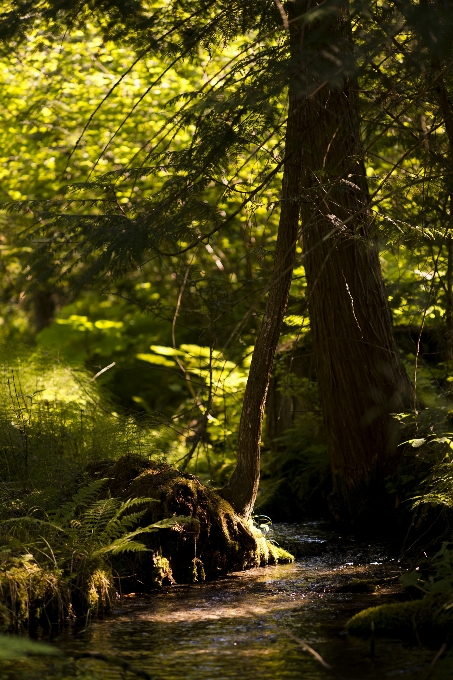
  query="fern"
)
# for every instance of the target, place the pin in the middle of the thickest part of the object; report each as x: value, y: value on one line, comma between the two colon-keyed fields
x: 88, y: 527
x: 84, y: 497
x: 72, y: 547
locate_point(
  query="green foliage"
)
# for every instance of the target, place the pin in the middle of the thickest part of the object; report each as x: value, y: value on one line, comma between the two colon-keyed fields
x: 433, y: 456
x: 224, y: 131
x: 177, y: 140
x: 295, y: 465
x: 59, y: 566
x: 15, y: 648
x: 166, y: 123
x: 423, y: 479
x: 29, y: 592
x: 54, y: 419
x: 216, y: 386
x: 439, y: 489
x: 426, y: 618
x: 438, y: 588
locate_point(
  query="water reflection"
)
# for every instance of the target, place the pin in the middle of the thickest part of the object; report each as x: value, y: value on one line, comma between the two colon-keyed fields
x: 238, y: 627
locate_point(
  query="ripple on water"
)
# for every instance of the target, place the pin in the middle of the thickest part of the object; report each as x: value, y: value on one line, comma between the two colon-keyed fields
x: 240, y: 626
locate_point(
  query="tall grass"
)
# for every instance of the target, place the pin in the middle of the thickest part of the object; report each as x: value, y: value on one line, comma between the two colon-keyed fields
x: 55, y: 419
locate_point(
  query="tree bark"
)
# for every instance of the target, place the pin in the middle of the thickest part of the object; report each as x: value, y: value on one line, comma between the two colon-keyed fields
x: 362, y: 380
x: 242, y: 487
x: 448, y: 352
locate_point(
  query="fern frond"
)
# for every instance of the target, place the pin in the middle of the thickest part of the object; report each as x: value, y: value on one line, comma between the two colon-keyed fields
x: 119, y: 546
x: 26, y: 519
x: 123, y: 543
x: 85, y: 496
x: 88, y: 493
x: 111, y: 521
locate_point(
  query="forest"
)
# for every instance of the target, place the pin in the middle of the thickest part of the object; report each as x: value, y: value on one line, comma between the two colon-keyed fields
x: 226, y: 333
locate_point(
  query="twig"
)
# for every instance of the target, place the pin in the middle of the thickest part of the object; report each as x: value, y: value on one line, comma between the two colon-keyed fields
x: 173, y: 335
x: 282, y: 14
x: 436, y: 659
x: 316, y: 655
x: 103, y: 370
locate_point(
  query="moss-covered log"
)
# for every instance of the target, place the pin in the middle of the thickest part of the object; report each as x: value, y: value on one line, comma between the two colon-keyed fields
x: 216, y: 541
x: 423, y: 621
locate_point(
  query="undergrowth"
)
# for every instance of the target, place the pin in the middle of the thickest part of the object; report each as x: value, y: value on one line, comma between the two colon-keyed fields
x: 58, y: 567
x: 423, y: 491
x: 52, y: 423
x: 58, y: 557
x: 54, y: 420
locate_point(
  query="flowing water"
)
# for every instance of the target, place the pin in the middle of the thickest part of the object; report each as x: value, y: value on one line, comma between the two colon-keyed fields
x: 254, y: 624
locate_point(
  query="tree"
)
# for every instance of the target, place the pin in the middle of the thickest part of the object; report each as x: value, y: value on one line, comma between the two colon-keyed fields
x: 242, y: 487
x: 361, y: 378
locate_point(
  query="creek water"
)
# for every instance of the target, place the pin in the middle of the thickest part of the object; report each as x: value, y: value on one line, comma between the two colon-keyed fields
x: 251, y: 624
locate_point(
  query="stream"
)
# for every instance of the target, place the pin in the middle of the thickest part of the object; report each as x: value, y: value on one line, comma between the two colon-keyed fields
x: 253, y: 624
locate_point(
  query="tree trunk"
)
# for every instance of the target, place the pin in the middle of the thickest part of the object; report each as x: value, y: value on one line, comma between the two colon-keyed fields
x: 446, y: 108
x: 448, y: 352
x: 361, y: 377
x: 242, y: 488
x: 43, y: 302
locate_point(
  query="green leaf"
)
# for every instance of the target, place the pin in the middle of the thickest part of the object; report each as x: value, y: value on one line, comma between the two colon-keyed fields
x: 412, y: 579
x: 12, y: 648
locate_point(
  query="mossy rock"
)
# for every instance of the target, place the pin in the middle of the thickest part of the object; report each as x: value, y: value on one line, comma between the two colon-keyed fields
x: 30, y: 594
x: 419, y: 619
x: 215, y: 542
x: 359, y: 585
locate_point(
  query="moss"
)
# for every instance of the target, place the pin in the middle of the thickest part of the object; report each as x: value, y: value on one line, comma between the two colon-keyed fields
x: 279, y: 555
x: 213, y: 541
x: 197, y: 572
x: 267, y: 552
x: 99, y: 591
x: 217, y: 538
x: 29, y: 593
x: 359, y: 585
x: 161, y: 573
x: 420, y: 619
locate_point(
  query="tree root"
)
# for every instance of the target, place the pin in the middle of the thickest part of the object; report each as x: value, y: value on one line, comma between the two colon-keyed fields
x: 215, y: 542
